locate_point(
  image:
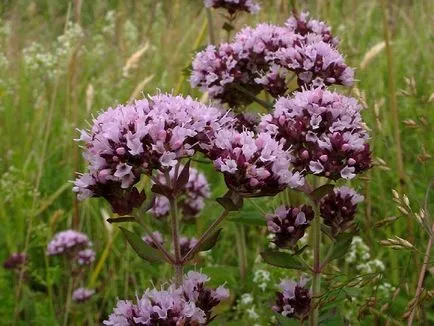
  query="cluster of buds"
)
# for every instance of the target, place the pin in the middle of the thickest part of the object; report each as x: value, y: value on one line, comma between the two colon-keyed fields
x: 253, y: 164
x: 338, y: 209
x: 157, y: 236
x: 82, y: 294
x: 192, y: 196
x: 189, y: 304
x: 138, y: 138
x: 324, y: 131
x: 288, y: 224
x: 265, y: 57
x: 77, y: 248
x: 15, y: 261
x: 234, y: 6
x: 303, y: 25
x: 293, y: 299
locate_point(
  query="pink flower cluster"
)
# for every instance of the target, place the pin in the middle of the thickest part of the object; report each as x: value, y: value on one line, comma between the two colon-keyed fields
x: 86, y: 257
x: 293, y: 300
x: 303, y: 25
x: 253, y: 164
x: 264, y: 57
x: 81, y: 295
x: 192, y: 198
x: 288, y: 224
x: 189, y: 304
x: 233, y: 6
x: 138, y: 138
x: 67, y: 242
x: 338, y: 208
x: 15, y: 261
x: 75, y: 245
x: 324, y: 132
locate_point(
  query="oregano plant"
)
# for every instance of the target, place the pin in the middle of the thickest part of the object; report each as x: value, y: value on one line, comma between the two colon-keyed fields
x: 307, y: 140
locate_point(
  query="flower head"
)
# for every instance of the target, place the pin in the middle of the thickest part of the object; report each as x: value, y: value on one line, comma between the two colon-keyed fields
x: 187, y: 244
x: 288, y: 224
x: 138, y: 138
x: 338, y: 208
x: 264, y: 58
x: 324, y: 131
x: 233, y: 6
x: 85, y: 257
x: 253, y: 165
x: 293, y: 299
x: 157, y: 236
x: 303, y: 25
x: 190, y: 304
x: 192, y: 196
x: 67, y: 242
x: 15, y: 260
x: 82, y: 294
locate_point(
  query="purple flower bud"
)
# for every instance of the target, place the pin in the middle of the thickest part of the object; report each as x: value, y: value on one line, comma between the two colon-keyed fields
x: 192, y: 196
x: 158, y: 237
x: 293, y: 300
x: 86, y: 257
x: 81, y: 295
x: 288, y: 224
x: 15, y: 260
x: 67, y: 242
x: 186, y: 244
x: 338, y: 209
x: 302, y: 24
x: 233, y: 7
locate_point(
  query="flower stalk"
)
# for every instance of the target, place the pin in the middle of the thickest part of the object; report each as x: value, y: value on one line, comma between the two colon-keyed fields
x: 316, y: 269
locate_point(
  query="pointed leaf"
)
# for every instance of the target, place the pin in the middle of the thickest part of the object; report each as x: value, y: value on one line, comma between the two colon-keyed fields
x: 210, y: 242
x: 121, y: 219
x: 249, y: 218
x: 183, y: 177
x: 320, y: 192
x: 145, y: 251
x: 285, y: 321
x: 284, y: 260
x: 161, y: 190
x: 231, y: 201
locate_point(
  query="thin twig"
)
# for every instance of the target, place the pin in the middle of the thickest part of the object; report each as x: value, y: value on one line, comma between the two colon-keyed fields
x: 268, y: 106
x: 421, y: 277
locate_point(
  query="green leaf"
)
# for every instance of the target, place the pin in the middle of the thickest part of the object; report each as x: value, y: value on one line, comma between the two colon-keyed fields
x: 340, y: 247
x: 248, y: 217
x: 284, y: 260
x: 121, y: 219
x: 210, y: 242
x: 144, y: 250
x: 183, y: 177
x: 285, y: 321
x: 231, y: 201
x: 320, y: 192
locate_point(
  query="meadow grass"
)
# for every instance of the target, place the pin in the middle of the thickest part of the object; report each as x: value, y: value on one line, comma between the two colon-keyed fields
x: 43, y: 100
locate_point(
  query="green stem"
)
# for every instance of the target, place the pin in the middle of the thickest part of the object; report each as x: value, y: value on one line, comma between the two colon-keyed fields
x: 242, y: 252
x: 316, y: 270
x: 175, y: 238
